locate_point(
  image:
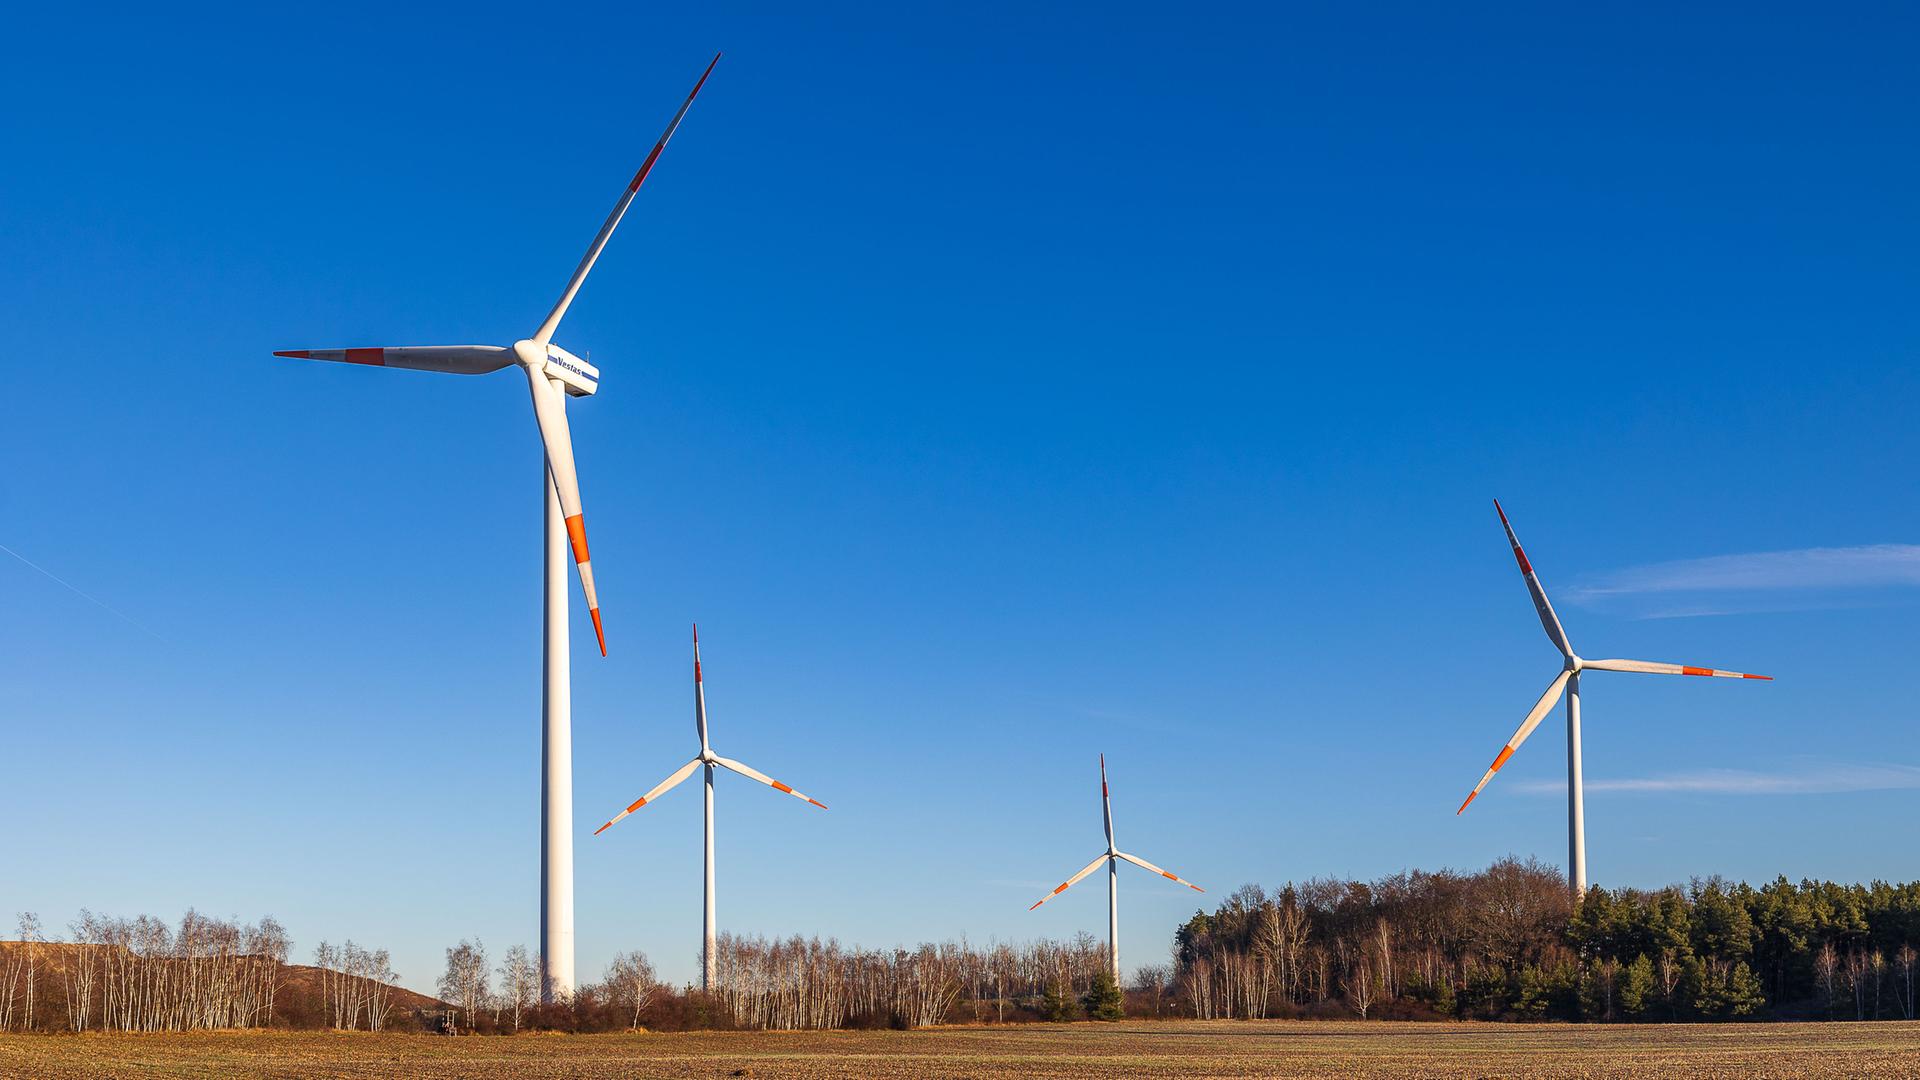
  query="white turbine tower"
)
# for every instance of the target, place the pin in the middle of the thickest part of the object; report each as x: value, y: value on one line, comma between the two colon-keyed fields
x: 1112, y: 857
x: 1568, y: 681
x: 553, y: 375
x: 710, y: 760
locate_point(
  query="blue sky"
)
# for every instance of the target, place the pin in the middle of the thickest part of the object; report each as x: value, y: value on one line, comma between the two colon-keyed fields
x: 996, y: 388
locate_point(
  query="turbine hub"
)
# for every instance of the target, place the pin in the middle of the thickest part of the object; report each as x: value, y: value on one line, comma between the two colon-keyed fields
x: 1574, y: 663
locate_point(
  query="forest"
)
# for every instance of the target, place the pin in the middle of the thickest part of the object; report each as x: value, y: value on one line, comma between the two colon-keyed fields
x: 1504, y: 943
x: 1509, y: 943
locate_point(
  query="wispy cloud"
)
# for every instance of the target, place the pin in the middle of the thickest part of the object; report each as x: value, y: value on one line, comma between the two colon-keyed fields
x: 1815, y: 780
x: 1806, y: 579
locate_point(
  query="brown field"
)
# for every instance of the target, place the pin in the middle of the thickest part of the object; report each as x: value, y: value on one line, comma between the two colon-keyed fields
x: 1224, y: 1048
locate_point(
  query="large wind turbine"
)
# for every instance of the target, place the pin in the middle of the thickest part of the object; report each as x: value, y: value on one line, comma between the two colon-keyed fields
x: 706, y: 757
x: 553, y: 375
x: 1112, y: 857
x: 1568, y: 682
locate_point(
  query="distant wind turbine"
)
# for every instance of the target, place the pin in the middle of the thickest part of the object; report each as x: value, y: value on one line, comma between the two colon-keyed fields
x: 1112, y: 857
x: 553, y: 375
x: 710, y: 760
x: 1568, y: 682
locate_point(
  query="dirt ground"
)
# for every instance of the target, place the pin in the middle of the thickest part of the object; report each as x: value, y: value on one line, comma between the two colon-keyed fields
x: 1170, y: 1049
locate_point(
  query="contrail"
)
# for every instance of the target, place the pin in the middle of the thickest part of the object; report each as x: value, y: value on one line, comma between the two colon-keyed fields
x: 94, y: 600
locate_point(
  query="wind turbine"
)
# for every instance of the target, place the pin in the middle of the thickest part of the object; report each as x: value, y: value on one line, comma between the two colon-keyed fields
x: 553, y: 375
x: 1112, y: 857
x: 710, y: 761
x: 1568, y: 681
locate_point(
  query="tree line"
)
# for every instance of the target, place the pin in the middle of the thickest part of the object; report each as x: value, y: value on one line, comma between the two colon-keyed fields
x: 1509, y: 942
x: 789, y: 984
x: 1504, y: 943
x: 142, y: 975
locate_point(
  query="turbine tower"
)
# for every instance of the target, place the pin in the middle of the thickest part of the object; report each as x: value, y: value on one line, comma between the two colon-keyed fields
x: 710, y: 761
x: 553, y: 375
x: 1112, y: 857
x: 1568, y: 681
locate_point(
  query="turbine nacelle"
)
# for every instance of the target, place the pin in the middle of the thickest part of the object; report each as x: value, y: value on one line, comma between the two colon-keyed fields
x: 579, y: 377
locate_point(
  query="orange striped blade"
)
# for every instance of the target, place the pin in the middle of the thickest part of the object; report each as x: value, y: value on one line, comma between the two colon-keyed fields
x: 646, y: 166
x: 637, y: 804
x: 1519, y: 555
x: 1651, y: 667
x: 752, y: 773
x: 1540, y: 709
x: 1542, y: 607
x: 1505, y: 753
x: 552, y: 321
x: 577, y: 536
x: 1717, y: 673
x: 1069, y: 883
x: 1145, y: 865
x: 373, y: 357
x: 778, y: 786
x: 678, y: 775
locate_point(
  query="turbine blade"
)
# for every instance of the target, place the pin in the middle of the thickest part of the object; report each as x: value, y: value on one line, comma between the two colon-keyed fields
x: 752, y: 773
x: 1145, y: 865
x: 1652, y: 668
x: 1548, y: 620
x: 1540, y: 708
x: 551, y: 412
x: 679, y: 774
x: 552, y: 323
x: 1064, y: 886
x: 1106, y: 800
x: 699, y: 691
x: 452, y: 359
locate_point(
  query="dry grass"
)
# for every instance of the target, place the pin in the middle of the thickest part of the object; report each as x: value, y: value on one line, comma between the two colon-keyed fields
x: 1226, y: 1049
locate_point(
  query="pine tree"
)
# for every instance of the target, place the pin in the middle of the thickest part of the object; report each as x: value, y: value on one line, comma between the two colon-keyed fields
x: 1592, y: 929
x: 1057, y: 1004
x: 1599, y: 985
x: 1637, y: 986
x: 1700, y: 990
x: 1721, y: 928
x: 1744, y: 996
x: 1103, y: 1000
x: 1530, y: 998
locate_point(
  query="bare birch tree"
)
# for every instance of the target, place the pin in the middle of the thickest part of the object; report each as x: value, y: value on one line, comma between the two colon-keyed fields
x: 465, y: 980
x: 631, y: 982
x: 519, y: 982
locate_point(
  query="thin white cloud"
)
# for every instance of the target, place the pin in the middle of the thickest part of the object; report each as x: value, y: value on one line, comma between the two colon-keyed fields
x: 1816, y: 780
x: 1868, y: 566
